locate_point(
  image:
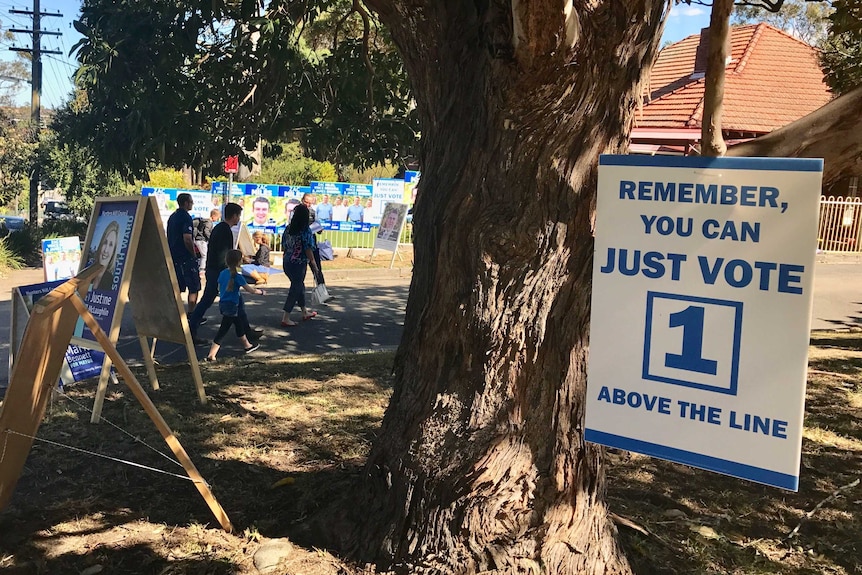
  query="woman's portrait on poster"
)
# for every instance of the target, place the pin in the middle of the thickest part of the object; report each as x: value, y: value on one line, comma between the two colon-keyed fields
x: 106, y: 255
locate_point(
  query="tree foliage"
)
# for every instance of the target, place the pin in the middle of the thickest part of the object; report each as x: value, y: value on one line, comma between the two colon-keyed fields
x: 17, y: 152
x: 294, y: 168
x: 804, y: 19
x: 166, y: 178
x: 833, y: 26
x: 188, y: 82
x: 82, y: 179
x: 841, y: 56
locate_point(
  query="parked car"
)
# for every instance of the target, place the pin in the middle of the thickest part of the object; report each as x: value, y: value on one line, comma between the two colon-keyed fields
x: 55, y: 209
x: 10, y: 224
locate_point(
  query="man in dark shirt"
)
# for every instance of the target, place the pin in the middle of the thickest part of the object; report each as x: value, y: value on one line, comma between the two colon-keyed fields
x: 221, y: 240
x: 180, y: 231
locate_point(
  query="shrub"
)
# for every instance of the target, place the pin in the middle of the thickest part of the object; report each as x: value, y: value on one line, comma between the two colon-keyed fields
x: 8, y: 259
x: 26, y: 244
x: 64, y: 228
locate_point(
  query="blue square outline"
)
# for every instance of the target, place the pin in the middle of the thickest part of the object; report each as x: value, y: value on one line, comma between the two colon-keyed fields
x: 737, y: 337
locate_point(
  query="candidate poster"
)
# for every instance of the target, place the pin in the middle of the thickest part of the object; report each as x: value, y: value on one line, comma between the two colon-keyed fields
x: 80, y: 363
x: 166, y: 201
x: 390, y: 227
x: 701, y: 309
x: 261, y: 212
x: 109, y: 247
x: 61, y: 258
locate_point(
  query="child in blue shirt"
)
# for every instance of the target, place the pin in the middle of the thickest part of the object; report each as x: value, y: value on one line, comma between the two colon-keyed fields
x: 230, y: 281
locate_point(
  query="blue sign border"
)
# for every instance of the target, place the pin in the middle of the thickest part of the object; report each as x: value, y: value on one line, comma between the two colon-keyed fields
x: 722, y: 163
x: 732, y: 468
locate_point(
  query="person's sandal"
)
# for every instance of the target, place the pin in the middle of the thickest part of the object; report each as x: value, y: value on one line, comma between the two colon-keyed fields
x: 209, y: 359
x: 289, y: 324
x: 309, y: 316
x: 254, y: 347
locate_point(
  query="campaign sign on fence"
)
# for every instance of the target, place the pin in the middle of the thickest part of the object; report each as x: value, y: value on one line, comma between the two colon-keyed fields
x: 701, y: 310
x: 166, y: 200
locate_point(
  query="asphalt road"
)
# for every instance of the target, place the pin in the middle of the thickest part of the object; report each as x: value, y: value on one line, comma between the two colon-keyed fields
x: 837, y: 296
x: 368, y: 314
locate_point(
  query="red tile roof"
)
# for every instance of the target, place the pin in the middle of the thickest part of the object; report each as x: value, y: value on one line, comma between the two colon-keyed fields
x: 772, y: 80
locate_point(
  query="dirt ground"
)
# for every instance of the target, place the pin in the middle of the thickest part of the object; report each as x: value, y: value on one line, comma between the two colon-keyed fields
x: 277, y: 441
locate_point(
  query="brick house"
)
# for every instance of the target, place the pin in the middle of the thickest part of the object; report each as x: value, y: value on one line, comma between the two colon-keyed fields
x: 772, y: 80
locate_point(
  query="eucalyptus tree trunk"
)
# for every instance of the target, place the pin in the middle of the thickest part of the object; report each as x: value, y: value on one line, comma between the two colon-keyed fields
x: 481, y: 464
x: 711, y: 140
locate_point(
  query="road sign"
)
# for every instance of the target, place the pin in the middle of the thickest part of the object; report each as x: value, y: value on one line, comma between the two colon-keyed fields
x: 701, y: 309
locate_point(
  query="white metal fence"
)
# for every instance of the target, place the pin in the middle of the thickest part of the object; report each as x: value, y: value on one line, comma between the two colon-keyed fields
x: 840, y: 228
x: 350, y: 239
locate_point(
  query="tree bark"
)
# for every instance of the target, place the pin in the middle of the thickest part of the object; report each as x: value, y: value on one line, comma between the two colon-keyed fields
x: 711, y: 139
x: 830, y: 132
x: 481, y: 465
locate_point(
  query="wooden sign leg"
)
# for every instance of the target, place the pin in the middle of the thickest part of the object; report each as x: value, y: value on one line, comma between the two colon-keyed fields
x: 155, y: 416
x: 148, y: 354
x: 102, y: 389
x: 193, y: 362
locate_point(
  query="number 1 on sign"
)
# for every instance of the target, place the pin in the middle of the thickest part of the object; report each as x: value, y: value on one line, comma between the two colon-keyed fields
x: 691, y: 358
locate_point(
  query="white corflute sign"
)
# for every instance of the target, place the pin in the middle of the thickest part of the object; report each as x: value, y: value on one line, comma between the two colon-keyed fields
x: 701, y: 310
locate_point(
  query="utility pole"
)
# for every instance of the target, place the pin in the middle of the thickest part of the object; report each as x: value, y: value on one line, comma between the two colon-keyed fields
x: 36, y: 93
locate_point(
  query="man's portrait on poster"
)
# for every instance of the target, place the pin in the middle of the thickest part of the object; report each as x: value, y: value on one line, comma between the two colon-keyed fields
x: 390, y: 223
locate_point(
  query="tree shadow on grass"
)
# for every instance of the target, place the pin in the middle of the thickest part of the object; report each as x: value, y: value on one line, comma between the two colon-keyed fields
x: 710, y: 523
x: 250, y: 436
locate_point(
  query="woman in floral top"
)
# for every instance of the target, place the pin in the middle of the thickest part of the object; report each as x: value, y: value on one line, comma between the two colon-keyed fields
x: 297, y: 245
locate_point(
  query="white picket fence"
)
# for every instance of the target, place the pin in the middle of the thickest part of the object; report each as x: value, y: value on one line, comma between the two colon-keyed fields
x: 840, y: 228
x: 350, y: 239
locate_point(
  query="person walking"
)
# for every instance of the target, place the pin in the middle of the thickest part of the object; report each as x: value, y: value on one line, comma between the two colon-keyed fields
x: 180, y: 232
x: 297, y: 245
x: 231, y: 305
x: 203, y: 230
x: 221, y: 241
x: 312, y: 219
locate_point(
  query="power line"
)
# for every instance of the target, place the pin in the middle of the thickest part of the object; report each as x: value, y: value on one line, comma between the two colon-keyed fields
x: 36, y: 93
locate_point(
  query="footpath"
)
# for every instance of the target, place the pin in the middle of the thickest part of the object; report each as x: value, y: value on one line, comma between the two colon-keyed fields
x: 367, y: 313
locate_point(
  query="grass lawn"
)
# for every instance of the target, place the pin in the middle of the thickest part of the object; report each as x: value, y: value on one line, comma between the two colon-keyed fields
x: 278, y: 440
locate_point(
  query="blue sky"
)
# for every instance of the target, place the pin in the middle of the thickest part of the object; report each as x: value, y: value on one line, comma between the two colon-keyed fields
x: 685, y: 20
x: 57, y: 70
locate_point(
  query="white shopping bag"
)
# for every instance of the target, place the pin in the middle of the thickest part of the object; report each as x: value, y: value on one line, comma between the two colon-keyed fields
x: 319, y: 294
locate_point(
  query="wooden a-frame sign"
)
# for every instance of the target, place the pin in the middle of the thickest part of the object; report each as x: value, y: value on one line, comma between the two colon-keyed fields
x: 34, y: 377
x: 127, y: 238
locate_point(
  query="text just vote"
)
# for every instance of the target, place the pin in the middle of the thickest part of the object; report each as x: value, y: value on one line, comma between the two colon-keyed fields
x: 737, y: 273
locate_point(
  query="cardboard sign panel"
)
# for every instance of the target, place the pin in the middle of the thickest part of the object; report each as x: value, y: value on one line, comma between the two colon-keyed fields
x: 33, y: 379
x: 701, y: 309
x: 153, y: 288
